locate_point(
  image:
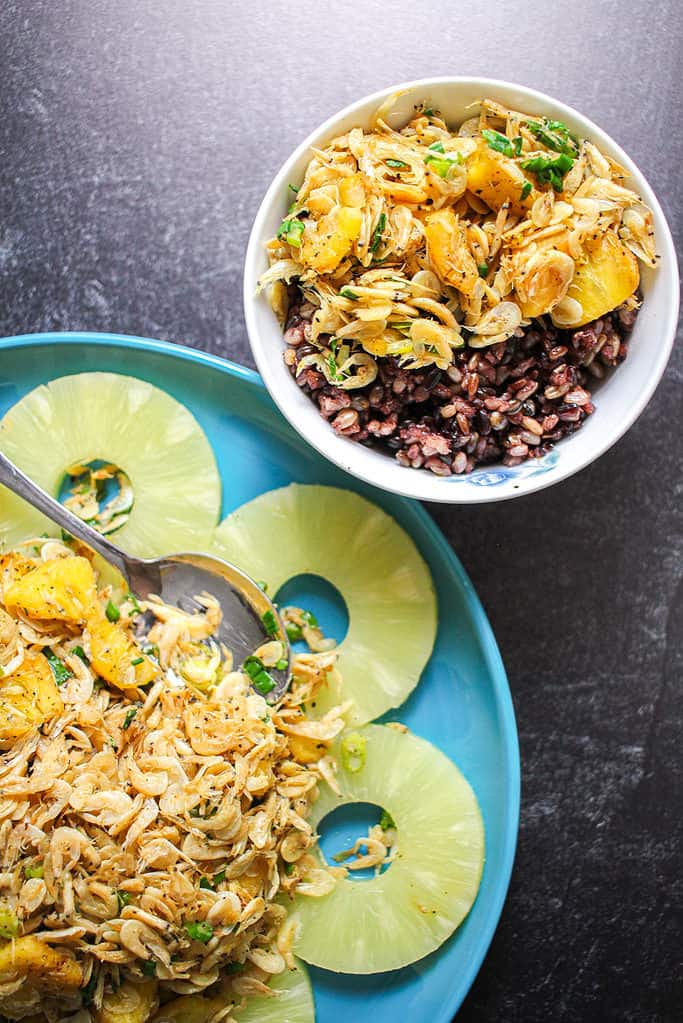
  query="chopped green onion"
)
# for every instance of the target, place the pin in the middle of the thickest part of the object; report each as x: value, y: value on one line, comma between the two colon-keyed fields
x: 386, y: 821
x: 398, y: 164
x: 377, y: 233
x: 152, y: 650
x: 199, y: 930
x: 294, y: 632
x: 517, y: 143
x: 483, y: 269
x: 112, y: 612
x: 132, y: 599
x: 353, y: 752
x: 443, y: 165
x: 293, y: 188
x: 130, y: 714
x: 289, y: 869
x: 347, y: 293
x: 558, y: 140
x: 549, y: 172
x: 437, y: 147
x: 219, y: 877
x: 291, y: 230
x: 205, y: 883
x: 66, y: 537
x: 261, y: 680
x: 36, y: 871
x: 123, y: 899
x: 526, y: 189
x: 80, y: 652
x: 59, y: 668
x: 270, y: 623
x: 263, y: 683
x: 501, y: 143
x: 149, y: 968
x: 261, y: 585
x: 428, y: 112
x: 310, y: 619
x: 281, y: 664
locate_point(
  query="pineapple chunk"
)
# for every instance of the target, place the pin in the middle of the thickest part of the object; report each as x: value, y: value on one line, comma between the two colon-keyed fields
x: 28, y: 697
x: 352, y: 191
x: 448, y: 250
x: 495, y: 179
x: 62, y: 589
x: 49, y: 969
x: 324, y: 245
x: 131, y: 1003
x: 191, y: 1009
x: 608, y: 277
x: 112, y: 653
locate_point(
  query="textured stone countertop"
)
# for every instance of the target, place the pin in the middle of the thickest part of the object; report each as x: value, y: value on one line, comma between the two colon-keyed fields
x: 136, y: 141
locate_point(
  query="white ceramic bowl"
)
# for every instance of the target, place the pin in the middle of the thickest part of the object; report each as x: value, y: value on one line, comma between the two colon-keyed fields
x: 619, y: 399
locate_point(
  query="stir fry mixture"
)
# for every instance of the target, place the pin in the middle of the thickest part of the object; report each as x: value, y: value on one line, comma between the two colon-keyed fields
x: 412, y: 248
x: 153, y: 803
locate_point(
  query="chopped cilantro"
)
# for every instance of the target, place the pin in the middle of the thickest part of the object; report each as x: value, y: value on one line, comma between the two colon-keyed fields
x: 130, y: 714
x: 59, y: 669
x: 377, y: 233
x: 123, y: 899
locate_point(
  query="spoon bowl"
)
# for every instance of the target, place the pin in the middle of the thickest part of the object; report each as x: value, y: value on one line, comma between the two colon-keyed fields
x: 249, y: 617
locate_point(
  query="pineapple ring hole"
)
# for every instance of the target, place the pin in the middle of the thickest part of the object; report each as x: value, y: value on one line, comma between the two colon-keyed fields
x: 314, y: 593
x: 99, y: 492
x: 339, y: 830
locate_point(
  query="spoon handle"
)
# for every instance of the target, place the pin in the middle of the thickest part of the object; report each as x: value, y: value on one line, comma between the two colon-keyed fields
x: 14, y: 479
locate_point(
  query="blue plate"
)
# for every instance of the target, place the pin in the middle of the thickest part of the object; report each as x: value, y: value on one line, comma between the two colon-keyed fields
x: 462, y: 704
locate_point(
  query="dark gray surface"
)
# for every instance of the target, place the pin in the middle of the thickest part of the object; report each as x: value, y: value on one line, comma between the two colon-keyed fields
x: 137, y: 140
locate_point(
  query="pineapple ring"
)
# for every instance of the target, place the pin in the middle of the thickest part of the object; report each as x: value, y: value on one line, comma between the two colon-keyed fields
x: 408, y: 911
x: 293, y: 1004
x: 147, y: 433
x: 354, y: 545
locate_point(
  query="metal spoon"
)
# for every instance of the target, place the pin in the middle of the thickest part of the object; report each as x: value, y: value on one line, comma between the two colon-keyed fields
x: 176, y: 578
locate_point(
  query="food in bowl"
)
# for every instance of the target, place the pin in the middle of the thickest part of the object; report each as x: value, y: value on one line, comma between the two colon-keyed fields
x: 449, y: 296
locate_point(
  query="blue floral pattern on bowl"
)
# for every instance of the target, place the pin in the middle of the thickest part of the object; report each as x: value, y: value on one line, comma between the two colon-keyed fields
x: 494, y: 477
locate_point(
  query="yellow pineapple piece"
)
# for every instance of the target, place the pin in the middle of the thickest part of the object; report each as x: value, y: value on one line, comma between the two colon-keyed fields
x: 49, y: 969
x: 28, y: 697
x: 62, y: 589
x: 112, y: 653
x: 448, y: 251
x: 325, y: 243
x: 495, y: 179
x: 607, y: 278
x: 133, y: 1002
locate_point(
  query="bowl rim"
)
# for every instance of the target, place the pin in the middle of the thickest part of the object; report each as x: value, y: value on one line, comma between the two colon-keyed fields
x: 404, y: 481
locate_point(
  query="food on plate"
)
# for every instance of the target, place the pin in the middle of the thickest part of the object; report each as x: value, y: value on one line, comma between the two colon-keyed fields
x: 152, y: 802
x: 107, y: 429
x: 450, y: 293
x: 430, y: 838
x: 158, y: 815
x: 375, y: 566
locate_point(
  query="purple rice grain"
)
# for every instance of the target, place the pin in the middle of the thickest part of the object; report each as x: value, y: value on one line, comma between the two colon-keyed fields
x: 506, y: 403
